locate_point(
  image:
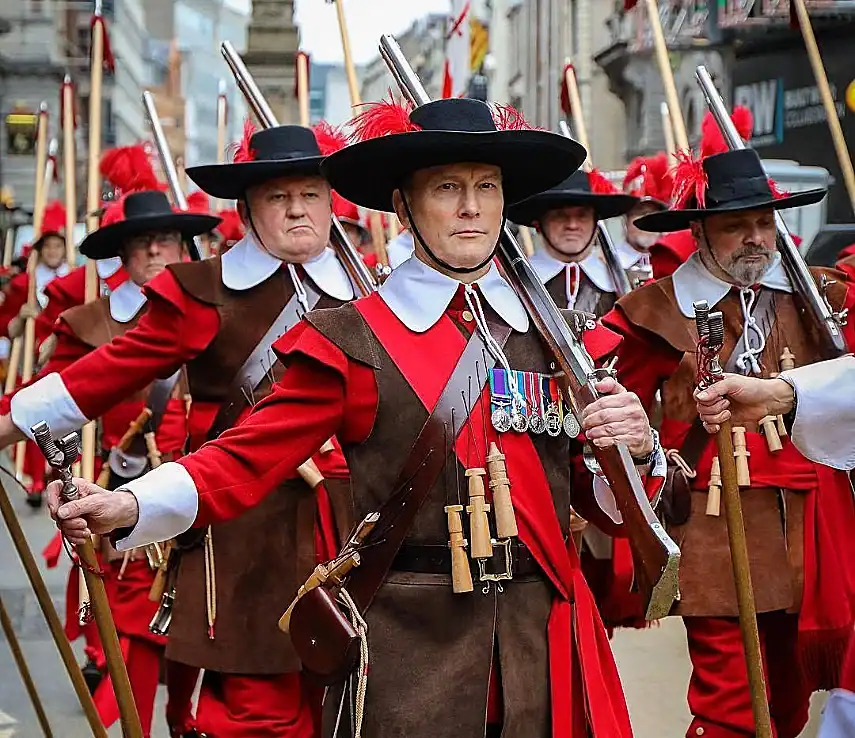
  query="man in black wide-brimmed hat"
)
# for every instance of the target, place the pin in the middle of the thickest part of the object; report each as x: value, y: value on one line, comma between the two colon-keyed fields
x: 148, y: 235
x: 566, y: 218
x: 522, y: 652
x: 219, y: 317
x: 796, y: 511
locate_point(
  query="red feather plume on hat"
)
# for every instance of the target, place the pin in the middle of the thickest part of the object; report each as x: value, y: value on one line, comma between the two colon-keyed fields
x: 330, y: 138
x: 231, y: 227
x: 508, y: 118
x: 242, y: 152
x: 712, y: 142
x: 383, y: 118
x: 649, y: 176
x: 114, y: 212
x: 690, y: 182
x: 129, y: 169
x: 199, y: 203
x: 53, y: 219
x: 599, y: 184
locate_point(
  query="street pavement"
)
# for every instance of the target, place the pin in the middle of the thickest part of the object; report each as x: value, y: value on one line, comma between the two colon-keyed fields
x: 653, y: 663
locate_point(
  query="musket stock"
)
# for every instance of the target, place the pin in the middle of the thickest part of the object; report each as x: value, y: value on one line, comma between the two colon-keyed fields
x: 168, y: 163
x: 358, y: 272
x: 655, y: 555
x: 818, y: 309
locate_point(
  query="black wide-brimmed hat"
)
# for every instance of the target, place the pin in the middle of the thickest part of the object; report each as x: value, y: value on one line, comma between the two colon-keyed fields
x: 450, y: 131
x: 735, y: 182
x: 576, y: 190
x: 281, y: 151
x: 140, y: 212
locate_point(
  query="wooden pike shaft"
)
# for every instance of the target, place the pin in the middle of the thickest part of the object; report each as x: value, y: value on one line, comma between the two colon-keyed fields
x: 742, y: 578
x: 528, y: 242
x: 49, y: 611
x: 375, y: 222
x: 821, y: 77
x: 26, y: 353
x: 24, y: 670
x: 579, y: 128
x: 69, y: 157
x: 8, y: 247
x: 668, y: 132
x: 303, y: 88
x: 667, y: 74
x: 130, y: 719
x: 222, y: 127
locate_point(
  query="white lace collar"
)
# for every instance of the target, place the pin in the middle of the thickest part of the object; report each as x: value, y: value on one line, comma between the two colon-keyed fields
x: 419, y: 295
x: 694, y: 282
x: 44, y: 276
x: 628, y: 255
x: 547, y: 266
x: 126, y: 301
x: 246, y: 265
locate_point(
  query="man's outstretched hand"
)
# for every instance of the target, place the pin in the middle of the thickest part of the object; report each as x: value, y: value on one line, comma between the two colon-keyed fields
x: 745, y: 399
x: 96, y: 511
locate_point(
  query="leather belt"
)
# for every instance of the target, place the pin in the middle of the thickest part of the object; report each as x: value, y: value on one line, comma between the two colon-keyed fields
x: 428, y: 559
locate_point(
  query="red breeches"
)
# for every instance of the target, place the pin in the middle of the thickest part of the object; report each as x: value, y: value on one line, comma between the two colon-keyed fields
x: 243, y: 706
x: 719, y: 698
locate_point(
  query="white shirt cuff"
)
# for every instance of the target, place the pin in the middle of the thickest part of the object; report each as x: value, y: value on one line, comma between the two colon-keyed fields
x: 825, y: 411
x: 168, y: 503
x: 605, y: 497
x: 838, y: 718
x: 49, y: 400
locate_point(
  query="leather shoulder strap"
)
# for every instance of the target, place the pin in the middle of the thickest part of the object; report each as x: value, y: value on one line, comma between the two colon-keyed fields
x: 421, y: 469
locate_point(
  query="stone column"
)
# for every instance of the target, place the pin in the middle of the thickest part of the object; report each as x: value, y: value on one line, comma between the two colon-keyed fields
x: 272, y: 45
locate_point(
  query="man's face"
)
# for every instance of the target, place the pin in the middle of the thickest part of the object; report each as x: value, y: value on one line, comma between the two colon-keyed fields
x: 53, y: 251
x: 741, y: 244
x: 355, y: 234
x: 148, y: 254
x: 291, y: 215
x: 569, y: 231
x: 457, y: 209
x: 638, y: 239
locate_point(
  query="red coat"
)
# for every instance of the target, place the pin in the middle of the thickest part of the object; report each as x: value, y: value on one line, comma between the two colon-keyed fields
x: 670, y: 251
x: 16, y: 298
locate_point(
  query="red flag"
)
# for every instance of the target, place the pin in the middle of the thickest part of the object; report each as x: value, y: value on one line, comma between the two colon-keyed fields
x: 109, y: 60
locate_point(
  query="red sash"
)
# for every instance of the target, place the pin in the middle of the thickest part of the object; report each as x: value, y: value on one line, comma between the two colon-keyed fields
x: 578, y: 644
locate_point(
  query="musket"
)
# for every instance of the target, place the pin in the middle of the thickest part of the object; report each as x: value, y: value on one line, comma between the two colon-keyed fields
x: 166, y: 160
x: 816, y: 303
x: 655, y: 555
x: 617, y: 272
x: 350, y: 259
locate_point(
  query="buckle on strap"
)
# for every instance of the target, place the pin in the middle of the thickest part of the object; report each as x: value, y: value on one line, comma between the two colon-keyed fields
x: 507, y: 572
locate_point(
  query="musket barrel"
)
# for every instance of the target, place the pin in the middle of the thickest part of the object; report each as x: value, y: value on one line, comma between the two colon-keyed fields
x: 169, y: 168
x: 790, y: 255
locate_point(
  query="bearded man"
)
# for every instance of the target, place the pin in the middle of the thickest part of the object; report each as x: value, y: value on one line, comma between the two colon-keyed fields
x: 798, y: 514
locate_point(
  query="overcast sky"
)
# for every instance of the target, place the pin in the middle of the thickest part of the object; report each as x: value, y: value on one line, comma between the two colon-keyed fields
x: 366, y: 20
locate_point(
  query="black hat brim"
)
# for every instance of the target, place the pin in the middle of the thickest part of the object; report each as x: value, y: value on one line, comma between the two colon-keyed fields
x: 231, y: 181
x: 669, y: 221
x: 369, y: 172
x: 107, y: 241
x: 605, y: 206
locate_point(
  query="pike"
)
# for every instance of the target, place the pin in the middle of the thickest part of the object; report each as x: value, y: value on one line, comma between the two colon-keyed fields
x: 815, y: 302
x: 356, y: 269
x: 168, y: 164
x: 655, y: 555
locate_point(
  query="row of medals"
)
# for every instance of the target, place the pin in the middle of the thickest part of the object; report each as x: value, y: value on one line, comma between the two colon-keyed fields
x: 509, y: 413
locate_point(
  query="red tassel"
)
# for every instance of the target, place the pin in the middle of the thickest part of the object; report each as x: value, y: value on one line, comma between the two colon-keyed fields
x: 649, y: 176
x: 109, y: 60
x: 566, y: 107
x: 690, y: 182
x: 129, y: 168
x: 62, y: 89
x: 508, y: 118
x: 383, y: 119
x: 242, y: 152
x: 712, y: 142
x: 330, y: 138
x: 52, y: 158
x: 629, y: 5
x: 599, y: 184
x: 199, y: 203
